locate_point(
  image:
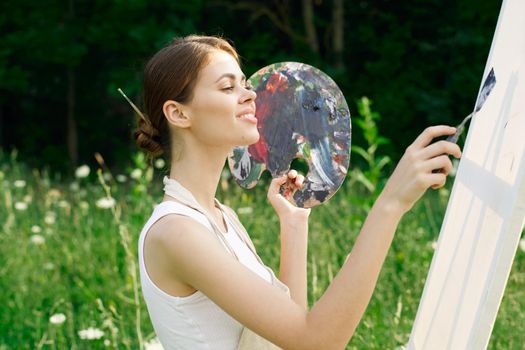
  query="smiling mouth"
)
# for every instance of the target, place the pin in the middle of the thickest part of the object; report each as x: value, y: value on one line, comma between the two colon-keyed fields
x: 249, y: 117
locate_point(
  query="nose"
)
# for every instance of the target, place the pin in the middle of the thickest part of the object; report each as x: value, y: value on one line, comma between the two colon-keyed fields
x: 248, y: 95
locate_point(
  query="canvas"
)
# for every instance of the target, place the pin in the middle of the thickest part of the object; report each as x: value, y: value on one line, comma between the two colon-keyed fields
x: 486, y: 212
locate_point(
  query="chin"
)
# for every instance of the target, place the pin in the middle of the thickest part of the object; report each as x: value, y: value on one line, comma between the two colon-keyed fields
x: 250, y: 139
x: 255, y: 140
x: 257, y: 136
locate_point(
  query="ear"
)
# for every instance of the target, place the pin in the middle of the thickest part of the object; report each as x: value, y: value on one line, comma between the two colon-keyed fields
x: 175, y: 114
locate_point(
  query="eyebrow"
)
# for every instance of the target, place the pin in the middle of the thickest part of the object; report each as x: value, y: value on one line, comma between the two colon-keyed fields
x: 230, y: 76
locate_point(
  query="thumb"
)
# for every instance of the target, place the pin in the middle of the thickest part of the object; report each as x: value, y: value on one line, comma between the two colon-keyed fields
x: 276, y: 183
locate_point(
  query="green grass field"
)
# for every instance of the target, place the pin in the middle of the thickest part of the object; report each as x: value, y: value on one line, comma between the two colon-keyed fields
x: 63, y: 255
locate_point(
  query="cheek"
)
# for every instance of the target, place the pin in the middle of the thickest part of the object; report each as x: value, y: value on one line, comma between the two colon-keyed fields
x: 215, y: 107
x: 213, y: 115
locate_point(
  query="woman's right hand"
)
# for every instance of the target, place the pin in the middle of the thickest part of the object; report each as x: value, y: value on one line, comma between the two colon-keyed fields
x: 413, y: 174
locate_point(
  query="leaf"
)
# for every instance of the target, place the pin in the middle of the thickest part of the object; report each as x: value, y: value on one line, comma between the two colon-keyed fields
x: 382, y: 141
x: 372, y: 149
x: 361, y: 152
x: 361, y: 178
x: 383, y: 162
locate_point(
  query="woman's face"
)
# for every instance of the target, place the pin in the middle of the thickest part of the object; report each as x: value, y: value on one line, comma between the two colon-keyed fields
x: 222, y: 110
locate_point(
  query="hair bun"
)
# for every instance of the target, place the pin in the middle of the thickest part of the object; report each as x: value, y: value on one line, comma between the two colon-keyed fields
x: 147, y: 138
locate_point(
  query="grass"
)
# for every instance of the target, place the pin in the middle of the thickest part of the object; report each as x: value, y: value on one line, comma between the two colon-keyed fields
x: 64, y: 255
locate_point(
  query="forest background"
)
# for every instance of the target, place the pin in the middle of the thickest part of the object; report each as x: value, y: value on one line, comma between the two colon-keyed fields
x: 61, y: 62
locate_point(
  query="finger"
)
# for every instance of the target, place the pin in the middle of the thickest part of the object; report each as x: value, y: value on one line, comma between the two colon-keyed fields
x: 292, y: 174
x: 441, y: 162
x: 276, y: 183
x: 432, y: 132
x: 437, y: 180
x: 299, y: 181
x: 439, y: 148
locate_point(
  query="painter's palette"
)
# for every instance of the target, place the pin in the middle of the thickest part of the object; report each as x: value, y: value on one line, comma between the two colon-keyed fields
x: 301, y: 113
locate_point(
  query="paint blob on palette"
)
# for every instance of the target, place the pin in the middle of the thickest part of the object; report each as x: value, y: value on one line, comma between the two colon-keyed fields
x: 301, y: 113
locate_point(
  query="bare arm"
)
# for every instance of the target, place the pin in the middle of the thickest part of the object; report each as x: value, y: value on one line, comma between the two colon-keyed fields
x: 292, y: 271
x: 294, y: 238
x: 200, y: 261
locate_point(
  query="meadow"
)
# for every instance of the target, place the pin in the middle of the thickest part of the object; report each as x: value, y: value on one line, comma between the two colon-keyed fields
x: 68, y: 253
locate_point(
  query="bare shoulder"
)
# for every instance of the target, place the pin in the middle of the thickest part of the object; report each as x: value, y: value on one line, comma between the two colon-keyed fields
x: 173, y: 231
x: 173, y: 243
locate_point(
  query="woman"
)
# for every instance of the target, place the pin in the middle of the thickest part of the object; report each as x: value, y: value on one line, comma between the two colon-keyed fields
x: 204, y: 285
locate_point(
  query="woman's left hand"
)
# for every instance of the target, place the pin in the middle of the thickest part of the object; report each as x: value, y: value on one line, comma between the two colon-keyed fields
x: 284, y: 209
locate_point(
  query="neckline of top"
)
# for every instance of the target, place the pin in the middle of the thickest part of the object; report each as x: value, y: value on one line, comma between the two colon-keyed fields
x: 223, y: 215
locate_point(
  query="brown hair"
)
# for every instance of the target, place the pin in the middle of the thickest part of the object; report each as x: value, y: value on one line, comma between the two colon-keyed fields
x: 171, y: 74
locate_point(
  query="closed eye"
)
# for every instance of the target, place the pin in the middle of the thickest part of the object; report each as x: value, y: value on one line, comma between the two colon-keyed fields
x: 232, y: 80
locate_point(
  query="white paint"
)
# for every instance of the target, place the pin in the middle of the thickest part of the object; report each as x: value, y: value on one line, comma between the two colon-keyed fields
x: 486, y: 211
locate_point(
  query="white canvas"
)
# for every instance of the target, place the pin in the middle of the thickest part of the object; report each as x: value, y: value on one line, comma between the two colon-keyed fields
x: 486, y: 212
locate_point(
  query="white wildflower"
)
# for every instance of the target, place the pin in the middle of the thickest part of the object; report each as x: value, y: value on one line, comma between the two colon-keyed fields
x: 444, y: 192
x: 245, y: 210
x: 107, y: 342
x: 63, y: 204
x: 20, y: 205
x: 106, y: 177
x: 57, y: 319
x: 50, y: 217
x: 90, y: 333
x: 20, y: 184
x: 106, y: 203
x: 54, y: 193
x: 74, y: 186
x: 48, y: 266
x: 160, y: 163
x: 121, y: 178
x: 83, y: 205
x: 522, y: 244
x: 153, y: 344
x: 37, y: 239
x: 82, y: 171
x: 225, y: 174
x: 28, y: 198
x: 36, y: 229
x: 136, y: 174
x: 455, y: 164
x: 434, y: 245
x: 224, y: 185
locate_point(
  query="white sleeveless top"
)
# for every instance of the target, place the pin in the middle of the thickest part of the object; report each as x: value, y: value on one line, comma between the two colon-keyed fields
x: 193, y: 322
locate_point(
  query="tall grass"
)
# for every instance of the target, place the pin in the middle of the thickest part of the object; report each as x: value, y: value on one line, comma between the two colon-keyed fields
x: 71, y: 249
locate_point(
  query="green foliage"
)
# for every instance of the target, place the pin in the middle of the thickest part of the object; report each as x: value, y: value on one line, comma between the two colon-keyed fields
x: 65, y: 251
x: 372, y: 174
